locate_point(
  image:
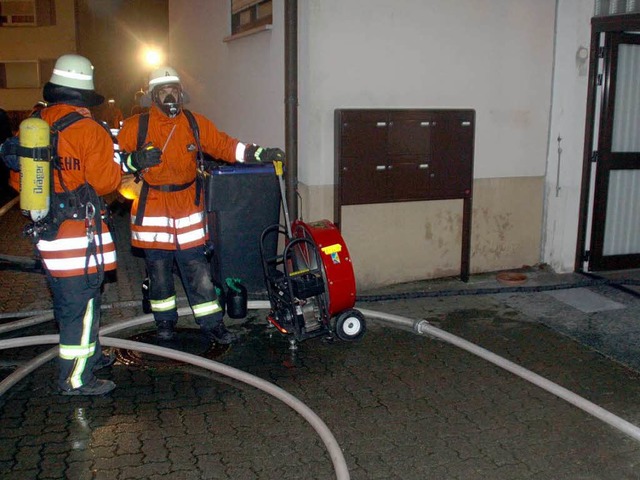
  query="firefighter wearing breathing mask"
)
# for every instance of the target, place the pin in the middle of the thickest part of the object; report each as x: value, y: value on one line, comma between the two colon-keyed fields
x: 72, y: 236
x: 168, y: 219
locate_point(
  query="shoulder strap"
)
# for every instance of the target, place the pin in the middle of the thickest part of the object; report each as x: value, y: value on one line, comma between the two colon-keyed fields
x: 67, y: 120
x: 196, y: 131
x: 199, y: 155
x: 61, y: 123
x: 143, y: 126
x: 57, y: 127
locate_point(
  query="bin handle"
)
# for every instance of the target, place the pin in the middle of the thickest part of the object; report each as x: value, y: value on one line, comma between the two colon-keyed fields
x: 278, y: 165
x: 279, y: 168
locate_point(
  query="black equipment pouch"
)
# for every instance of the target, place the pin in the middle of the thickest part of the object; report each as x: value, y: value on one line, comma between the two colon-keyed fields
x: 69, y: 205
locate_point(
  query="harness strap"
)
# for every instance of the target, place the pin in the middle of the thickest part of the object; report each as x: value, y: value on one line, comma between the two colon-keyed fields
x: 142, y: 203
x: 199, y: 156
x: 144, y: 191
x: 38, y: 154
x: 172, y: 187
x: 143, y: 127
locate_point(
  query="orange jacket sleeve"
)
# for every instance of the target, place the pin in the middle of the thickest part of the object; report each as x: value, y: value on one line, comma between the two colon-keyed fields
x: 215, y: 142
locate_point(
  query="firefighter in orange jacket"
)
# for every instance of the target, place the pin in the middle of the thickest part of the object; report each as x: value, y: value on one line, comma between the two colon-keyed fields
x: 168, y: 219
x: 113, y: 115
x: 74, y: 239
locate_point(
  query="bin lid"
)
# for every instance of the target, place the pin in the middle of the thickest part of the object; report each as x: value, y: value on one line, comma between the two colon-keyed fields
x: 243, y: 169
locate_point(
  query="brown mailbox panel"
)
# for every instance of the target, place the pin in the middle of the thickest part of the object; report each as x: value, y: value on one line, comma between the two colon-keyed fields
x: 365, y: 181
x: 363, y: 146
x: 452, y: 166
x: 410, y: 133
x: 403, y: 155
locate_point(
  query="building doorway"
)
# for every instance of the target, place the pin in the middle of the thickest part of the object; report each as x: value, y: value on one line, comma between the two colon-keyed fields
x: 609, y: 230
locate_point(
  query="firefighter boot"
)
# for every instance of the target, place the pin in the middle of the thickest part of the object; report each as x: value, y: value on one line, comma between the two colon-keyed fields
x: 166, y: 330
x: 220, y: 334
x: 97, y: 386
x: 105, y: 360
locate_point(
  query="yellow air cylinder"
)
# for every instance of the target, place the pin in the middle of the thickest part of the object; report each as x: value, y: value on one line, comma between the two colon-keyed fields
x: 34, y: 173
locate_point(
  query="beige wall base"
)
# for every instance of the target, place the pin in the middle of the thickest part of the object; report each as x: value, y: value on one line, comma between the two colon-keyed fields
x: 401, y: 242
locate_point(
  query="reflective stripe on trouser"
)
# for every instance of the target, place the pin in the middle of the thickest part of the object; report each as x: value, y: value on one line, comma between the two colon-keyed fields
x: 196, y: 279
x: 163, y: 305
x: 76, y: 305
x: 207, y: 308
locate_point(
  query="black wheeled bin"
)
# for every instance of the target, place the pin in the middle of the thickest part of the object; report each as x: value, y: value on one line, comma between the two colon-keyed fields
x: 241, y: 200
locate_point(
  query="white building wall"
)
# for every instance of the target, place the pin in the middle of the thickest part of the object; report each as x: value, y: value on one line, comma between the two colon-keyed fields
x: 562, y: 186
x: 495, y: 56
x: 239, y: 85
x: 491, y: 55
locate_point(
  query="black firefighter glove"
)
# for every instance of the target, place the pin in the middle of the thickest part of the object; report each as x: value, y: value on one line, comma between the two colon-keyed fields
x: 9, y: 153
x: 257, y: 154
x: 148, y: 156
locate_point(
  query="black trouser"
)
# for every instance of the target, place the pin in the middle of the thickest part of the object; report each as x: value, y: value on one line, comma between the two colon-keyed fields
x: 196, y: 279
x: 76, y: 306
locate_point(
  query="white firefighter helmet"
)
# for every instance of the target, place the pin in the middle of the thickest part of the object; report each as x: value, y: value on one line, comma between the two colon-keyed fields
x: 72, y: 82
x: 73, y: 71
x: 161, y: 77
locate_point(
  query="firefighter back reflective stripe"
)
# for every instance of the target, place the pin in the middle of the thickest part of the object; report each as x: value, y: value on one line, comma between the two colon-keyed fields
x: 66, y: 256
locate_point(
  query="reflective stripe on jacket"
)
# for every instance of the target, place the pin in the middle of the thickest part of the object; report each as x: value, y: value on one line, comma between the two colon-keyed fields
x: 172, y: 219
x: 67, y: 255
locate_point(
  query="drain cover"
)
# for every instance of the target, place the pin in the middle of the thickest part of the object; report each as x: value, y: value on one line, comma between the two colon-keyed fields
x: 187, y: 340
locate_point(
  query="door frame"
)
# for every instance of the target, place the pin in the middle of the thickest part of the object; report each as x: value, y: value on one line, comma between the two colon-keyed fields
x: 614, y: 23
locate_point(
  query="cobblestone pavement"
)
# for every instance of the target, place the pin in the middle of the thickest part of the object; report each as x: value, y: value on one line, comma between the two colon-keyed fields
x: 400, y: 405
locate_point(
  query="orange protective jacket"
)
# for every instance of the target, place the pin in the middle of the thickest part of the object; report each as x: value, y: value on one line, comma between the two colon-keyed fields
x: 86, y: 154
x: 113, y: 116
x: 172, y: 220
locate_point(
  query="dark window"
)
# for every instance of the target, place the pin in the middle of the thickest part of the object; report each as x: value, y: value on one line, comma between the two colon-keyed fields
x: 27, y: 13
x: 250, y: 14
x: 25, y: 74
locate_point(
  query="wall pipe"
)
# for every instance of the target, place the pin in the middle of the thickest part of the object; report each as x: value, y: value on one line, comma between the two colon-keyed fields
x: 291, y: 103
